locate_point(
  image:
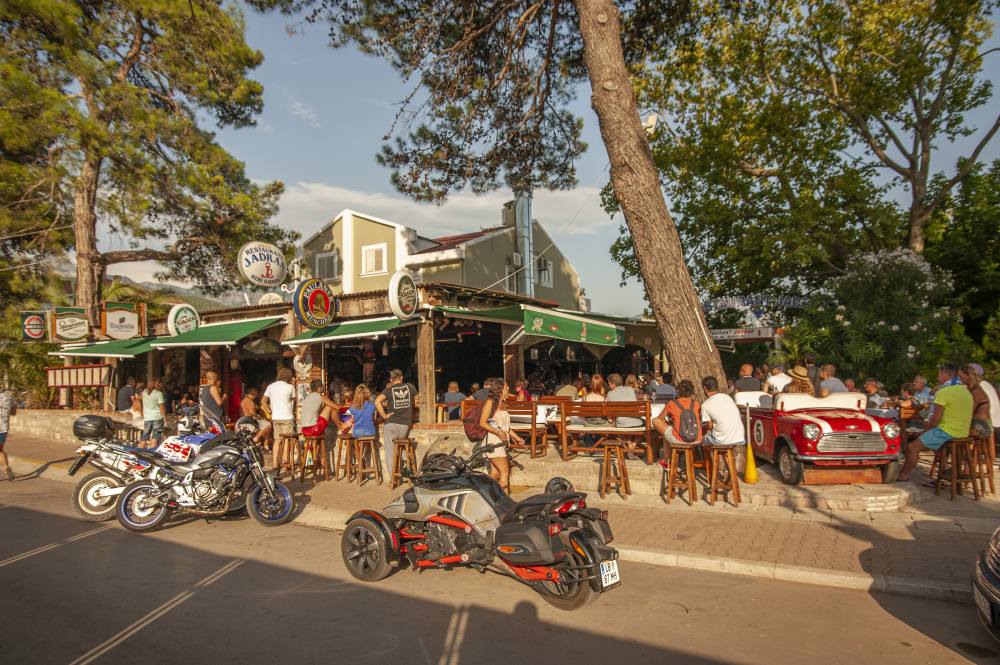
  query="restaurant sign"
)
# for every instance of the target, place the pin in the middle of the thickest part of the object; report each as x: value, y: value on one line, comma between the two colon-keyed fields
x: 403, y: 299
x: 34, y: 327
x: 69, y: 324
x: 314, y: 303
x: 123, y: 320
x: 262, y: 264
x: 183, y: 318
x: 741, y: 334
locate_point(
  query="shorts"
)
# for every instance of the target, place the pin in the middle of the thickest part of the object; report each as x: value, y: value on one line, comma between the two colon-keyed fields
x: 152, y: 429
x: 3, y: 439
x: 981, y: 427
x: 500, y: 451
x: 934, y: 438
x: 317, y: 429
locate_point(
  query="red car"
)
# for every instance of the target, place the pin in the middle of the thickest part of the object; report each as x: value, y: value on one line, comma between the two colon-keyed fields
x: 832, y: 433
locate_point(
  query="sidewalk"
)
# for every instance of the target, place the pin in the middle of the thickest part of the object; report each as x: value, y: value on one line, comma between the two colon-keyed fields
x: 927, y: 549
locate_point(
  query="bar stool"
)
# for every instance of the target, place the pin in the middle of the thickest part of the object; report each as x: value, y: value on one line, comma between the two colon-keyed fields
x: 613, y: 469
x: 285, y: 446
x: 673, y: 483
x: 960, y: 453
x: 718, y: 455
x: 362, y: 445
x: 983, y: 462
x: 313, y: 458
x: 401, y: 448
x: 343, y: 459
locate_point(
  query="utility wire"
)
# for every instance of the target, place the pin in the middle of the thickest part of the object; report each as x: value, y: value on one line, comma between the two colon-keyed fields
x: 26, y: 265
x: 32, y: 233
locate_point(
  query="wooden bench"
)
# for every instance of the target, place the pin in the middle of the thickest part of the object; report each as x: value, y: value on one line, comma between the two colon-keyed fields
x: 523, y: 421
x: 572, y: 416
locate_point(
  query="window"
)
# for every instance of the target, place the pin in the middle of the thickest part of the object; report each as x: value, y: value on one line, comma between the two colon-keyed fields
x: 510, y: 284
x: 328, y: 265
x: 373, y: 259
x: 543, y: 272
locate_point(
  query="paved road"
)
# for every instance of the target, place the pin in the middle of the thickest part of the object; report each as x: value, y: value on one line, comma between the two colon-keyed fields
x: 233, y: 591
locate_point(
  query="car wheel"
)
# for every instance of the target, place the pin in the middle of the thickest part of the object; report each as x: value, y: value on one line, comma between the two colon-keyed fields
x: 789, y: 468
x: 890, y: 472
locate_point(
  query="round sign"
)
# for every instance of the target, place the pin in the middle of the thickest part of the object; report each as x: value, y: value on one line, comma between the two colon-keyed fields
x: 314, y: 303
x: 182, y: 318
x: 262, y: 264
x: 34, y: 326
x: 758, y: 432
x: 403, y: 295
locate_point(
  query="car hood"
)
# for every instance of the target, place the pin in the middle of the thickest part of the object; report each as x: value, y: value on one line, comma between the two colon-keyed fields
x: 835, y: 420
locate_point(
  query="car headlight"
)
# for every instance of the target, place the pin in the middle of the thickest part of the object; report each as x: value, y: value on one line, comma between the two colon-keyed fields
x: 811, y: 431
x: 890, y: 430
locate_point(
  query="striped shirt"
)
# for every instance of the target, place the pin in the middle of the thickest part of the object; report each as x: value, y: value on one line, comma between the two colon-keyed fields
x: 5, y: 406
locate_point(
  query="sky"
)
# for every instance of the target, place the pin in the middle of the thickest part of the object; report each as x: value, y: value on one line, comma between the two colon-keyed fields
x: 325, y: 115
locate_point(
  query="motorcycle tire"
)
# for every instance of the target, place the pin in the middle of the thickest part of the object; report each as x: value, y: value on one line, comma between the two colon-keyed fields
x: 137, y: 518
x: 267, y: 515
x: 567, y: 597
x: 364, y: 550
x: 90, y: 507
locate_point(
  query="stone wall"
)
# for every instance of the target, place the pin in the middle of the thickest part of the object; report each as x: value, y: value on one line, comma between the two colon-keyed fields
x: 57, y: 424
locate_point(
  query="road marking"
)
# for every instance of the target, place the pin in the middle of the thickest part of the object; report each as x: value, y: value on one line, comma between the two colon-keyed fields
x: 52, y: 546
x: 455, y: 636
x: 152, y: 616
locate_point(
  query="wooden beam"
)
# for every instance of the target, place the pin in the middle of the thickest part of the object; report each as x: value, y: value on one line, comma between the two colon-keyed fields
x: 426, y: 376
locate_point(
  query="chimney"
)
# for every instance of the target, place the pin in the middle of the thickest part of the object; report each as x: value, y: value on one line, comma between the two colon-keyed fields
x: 525, y: 244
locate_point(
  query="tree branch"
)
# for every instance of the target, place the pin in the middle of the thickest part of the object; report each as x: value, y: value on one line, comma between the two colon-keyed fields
x: 133, y: 52
x: 966, y: 168
x: 131, y: 255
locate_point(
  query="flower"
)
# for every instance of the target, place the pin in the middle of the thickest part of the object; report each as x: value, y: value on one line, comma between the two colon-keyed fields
x: 841, y: 308
x: 881, y: 323
x: 912, y: 349
x: 915, y: 326
x: 847, y: 323
x: 895, y: 328
x: 937, y: 315
x: 839, y: 317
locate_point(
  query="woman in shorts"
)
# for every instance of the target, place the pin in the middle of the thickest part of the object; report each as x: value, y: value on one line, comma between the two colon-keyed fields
x: 495, y: 419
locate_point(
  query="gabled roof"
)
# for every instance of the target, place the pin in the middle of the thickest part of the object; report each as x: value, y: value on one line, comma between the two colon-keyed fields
x: 453, y: 241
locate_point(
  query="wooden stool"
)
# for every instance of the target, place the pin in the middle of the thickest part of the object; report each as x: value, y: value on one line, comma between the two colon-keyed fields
x: 315, y: 447
x: 343, y: 459
x: 613, y: 469
x: 983, y: 462
x: 717, y: 455
x: 675, y: 485
x: 401, y: 447
x: 285, y: 445
x: 960, y: 453
x: 362, y: 445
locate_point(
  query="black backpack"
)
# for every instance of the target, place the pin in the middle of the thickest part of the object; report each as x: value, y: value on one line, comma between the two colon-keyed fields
x: 688, y: 426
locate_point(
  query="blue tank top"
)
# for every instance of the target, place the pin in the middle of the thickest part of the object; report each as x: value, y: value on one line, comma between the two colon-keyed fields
x: 209, y: 405
x: 364, y: 419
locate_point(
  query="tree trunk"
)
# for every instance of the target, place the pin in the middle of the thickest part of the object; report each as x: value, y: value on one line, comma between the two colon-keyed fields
x: 678, y: 311
x: 89, y: 262
x: 919, y: 216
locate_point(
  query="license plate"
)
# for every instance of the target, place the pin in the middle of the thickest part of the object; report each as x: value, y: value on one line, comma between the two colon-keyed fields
x: 609, y: 574
x: 982, y: 601
x: 80, y: 461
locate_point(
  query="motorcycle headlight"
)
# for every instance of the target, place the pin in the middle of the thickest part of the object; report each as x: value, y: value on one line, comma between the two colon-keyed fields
x: 890, y: 430
x: 811, y: 431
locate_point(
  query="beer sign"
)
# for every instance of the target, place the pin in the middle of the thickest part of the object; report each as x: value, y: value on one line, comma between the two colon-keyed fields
x: 69, y: 324
x: 183, y: 318
x: 34, y: 326
x: 314, y: 303
x: 123, y: 320
x: 262, y: 264
x: 403, y: 299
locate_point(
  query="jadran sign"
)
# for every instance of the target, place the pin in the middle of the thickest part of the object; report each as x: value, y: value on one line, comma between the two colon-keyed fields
x: 262, y: 264
x: 403, y: 299
x: 123, y: 320
x: 33, y: 326
x: 314, y: 303
x: 69, y: 324
x: 183, y: 318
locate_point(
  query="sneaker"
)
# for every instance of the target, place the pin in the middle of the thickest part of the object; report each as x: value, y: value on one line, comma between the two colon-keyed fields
x: 9, y: 474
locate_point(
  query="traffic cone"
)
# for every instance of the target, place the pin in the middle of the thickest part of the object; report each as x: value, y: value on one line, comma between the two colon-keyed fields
x: 750, y: 474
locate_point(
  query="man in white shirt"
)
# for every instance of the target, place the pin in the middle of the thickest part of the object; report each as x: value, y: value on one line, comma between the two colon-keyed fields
x: 777, y: 381
x: 720, y: 417
x: 279, y: 398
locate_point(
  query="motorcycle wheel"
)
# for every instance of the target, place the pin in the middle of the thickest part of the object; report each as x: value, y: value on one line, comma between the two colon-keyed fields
x: 134, y: 514
x: 571, y: 596
x: 267, y: 512
x: 90, y: 507
x: 364, y: 550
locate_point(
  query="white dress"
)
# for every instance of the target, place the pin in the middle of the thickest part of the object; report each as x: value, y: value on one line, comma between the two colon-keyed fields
x: 501, y: 421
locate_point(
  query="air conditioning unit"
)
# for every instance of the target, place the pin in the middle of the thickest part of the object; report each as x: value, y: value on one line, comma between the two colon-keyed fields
x: 514, y: 260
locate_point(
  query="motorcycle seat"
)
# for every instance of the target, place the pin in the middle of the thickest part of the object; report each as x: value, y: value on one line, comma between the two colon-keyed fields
x: 539, y: 504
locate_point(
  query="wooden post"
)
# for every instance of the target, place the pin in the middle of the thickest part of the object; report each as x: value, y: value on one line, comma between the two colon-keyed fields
x: 108, y: 392
x: 66, y: 394
x: 426, y: 376
x: 513, y: 363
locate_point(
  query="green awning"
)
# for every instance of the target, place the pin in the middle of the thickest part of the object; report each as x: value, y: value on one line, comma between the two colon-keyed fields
x: 540, y: 322
x: 349, y: 330
x: 218, y: 334
x: 119, y: 348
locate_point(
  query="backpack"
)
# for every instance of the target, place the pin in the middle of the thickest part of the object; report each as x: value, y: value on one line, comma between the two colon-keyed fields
x: 473, y: 429
x: 688, y: 425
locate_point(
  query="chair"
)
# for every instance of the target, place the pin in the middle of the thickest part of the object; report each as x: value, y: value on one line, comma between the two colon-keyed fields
x: 613, y: 469
x: 362, y: 445
x: 313, y: 458
x: 285, y: 446
x: 717, y: 456
x: 674, y: 484
x: 344, y: 458
x: 959, y: 452
x: 401, y: 448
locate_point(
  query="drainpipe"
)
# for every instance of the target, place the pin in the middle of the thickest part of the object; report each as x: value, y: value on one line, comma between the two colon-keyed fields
x: 525, y: 243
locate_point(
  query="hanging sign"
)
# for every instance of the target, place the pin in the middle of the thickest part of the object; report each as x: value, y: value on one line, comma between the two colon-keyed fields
x: 183, y: 318
x: 262, y: 264
x: 314, y: 303
x: 34, y: 327
x: 756, y: 301
x: 403, y: 295
x: 123, y: 320
x: 738, y: 334
x: 69, y: 324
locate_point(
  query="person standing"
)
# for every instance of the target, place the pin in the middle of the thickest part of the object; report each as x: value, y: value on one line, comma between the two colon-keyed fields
x: 211, y: 400
x: 809, y: 359
x: 495, y: 419
x: 950, y: 418
x: 395, y: 406
x: 154, y: 410
x: 828, y: 382
x: 126, y: 394
x: 279, y: 400
x: 7, y: 409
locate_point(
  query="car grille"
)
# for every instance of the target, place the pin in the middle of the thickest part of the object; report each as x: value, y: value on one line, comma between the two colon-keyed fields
x: 992, y: 558
x: 862, y: 442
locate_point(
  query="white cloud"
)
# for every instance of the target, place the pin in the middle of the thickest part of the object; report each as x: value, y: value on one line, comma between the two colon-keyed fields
x: 307, y: 206
x: 303, y: 111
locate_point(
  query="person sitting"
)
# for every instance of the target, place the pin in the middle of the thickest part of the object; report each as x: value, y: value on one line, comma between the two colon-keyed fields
x: 746, y: 381
x: 566, y: 389
x: 982, y: 426
x: 453, y: 401
x: 828, y: 381
x: 620, y: 393
x: 680, y: 420
x: 362, y: 412
x: 317, y: 410
x: 777, y: 381
x: 991, y: 396
x: 484, y: 392
x: 800, y: 382
x: 521, y: 393
x: 875, y: 397
x: 850, y: 385
x: 721, y: 421
x: 950, y: 418
x: 631, y: 381
x: 664, y: 392
x: 921, y: 391
x: 596, y: 390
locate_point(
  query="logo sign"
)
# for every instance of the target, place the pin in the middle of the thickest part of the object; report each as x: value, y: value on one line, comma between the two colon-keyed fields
x: 739, y: 334
x: 262, y: 264
x: 314, y: 303
x: 756, y: 302
x: 70, y: 324
x: 183, y: 318
x: 122, y: 320
x: 403, y: 299
x: 33, y: 326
